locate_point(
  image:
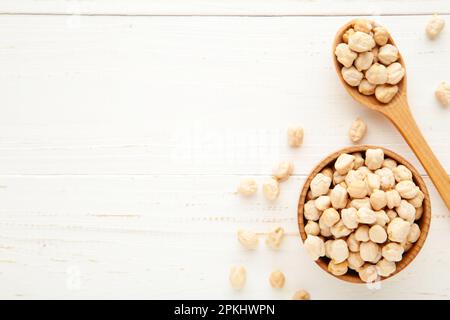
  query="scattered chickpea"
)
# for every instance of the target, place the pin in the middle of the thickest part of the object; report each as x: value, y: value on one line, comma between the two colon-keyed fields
x: 271, y: 189
x: 435, y: 26
x: 295, y: 136
x: 277, y: 279
x: 247, y: 187
x: 283, y: 170
x: 238, y: 277
x: 248, y: 239
x: 301, y: 295
x: 357, y: 130
x: 443, y: 94
x: 275, y: 237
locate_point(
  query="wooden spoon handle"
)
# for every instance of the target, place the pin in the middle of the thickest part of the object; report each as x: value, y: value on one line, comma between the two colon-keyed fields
x: 400, y: 115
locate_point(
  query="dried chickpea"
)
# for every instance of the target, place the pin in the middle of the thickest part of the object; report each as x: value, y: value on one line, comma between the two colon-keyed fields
x: 442, y: 94
x: 385, y: 93
x: 247, y: 187
x: 320, y: 185
x: 417, y: 200
x: 373, y: 182
x: 248, y: 239
x: 387, y: 179
x: 347, y: 34
x: 354, y: 175
x: 366, y: 88
x: 380, y: 35
x: 283, y: 170
x: 338, y: 251
x: 364, y: 61
x: 301, y: 295
x: 362, y: 233
x: 377, y: 234
x: 382, y: 218
x: 344, y: 55
x: 369, y: 251
x: 328, y: 248
x: 327, y: 172
x: 377, y: 74
x: 435, y: 26
x: 271, y: 189
x: 398, y: 230
x: 359, y: 160
x: 339, y: 197
x: 414, y: 233
x: 407, y: 189
x: 277, y: 279
x: 338, y: 269
x: 374, y: 158
x: 238, y: 277
x: 355, y: 261
x: 357, y: 189
x: 352, y: 76
x: 361, y: 42
x: 329, y: 217
x: 402, y: 173
x: 339, y: 230
x: 388, y: 54
x: 349, y: 217
x: 419, y: 212
x: 366, y: 216
x: 323, y: 202
x: 312, y: 228
x: 368, y: 273
x: 385, y: 268
x: 395, y: 73
x: 352, y: 243
x: 314, y: 246
x: 275, y: 237
x: 378, y: 200
x: 392, y: 252
x: 359, y: 203
x: 357, y: 131
x: 295, y: 136
x: 344, y: 163
x: 406, y: 211
x: 362, y: 25
x: 392, y: 214
x: 310, y: 211
x: 389, y: 163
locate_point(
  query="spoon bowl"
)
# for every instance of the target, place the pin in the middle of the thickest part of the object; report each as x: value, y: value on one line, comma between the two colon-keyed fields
x: 398, y: 112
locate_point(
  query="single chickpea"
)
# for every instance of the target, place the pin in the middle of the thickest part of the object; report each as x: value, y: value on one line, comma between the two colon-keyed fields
x: 362, y: 233
x: 369, y: 251
x: 315, y: 247
x: 373, y: 182
x: 320, y: 185
x: 283, y: 170
x: 395, y: 72
x: 339, y: 197
x: 338, y: 269
x: 354, y: 175
x: 238, y: 277
x: 387, y: 180
x: 377, y: 74
x: 378, y: 199
x: 312, y: 228
x: 277, y: 279
x: 355, y: 261
x: 366, y: 88
x: 392, y: 214
x: 344, y: 55
x: 310, y: 211
x: 402, y: 173
x: 275, y: 237
x: 366, y: 216
x: 364, y: 61
x: 417, y: 200
x: 338, y: 251
x: 295, y: 136
x: 368, y: 273
x: 382, y: 218
x: 419, y: 212
x: 414, y: 233
x: 374, y: 158
x: 442, y: 94
x: 359, y: 203
x: 301, y: 295
x: 385, y: 268
x: 385, y: 93
x: 407, y: 189
x: 352, y: 76
x: 337, y: 178
x: 323, y: 202
x: 435, y: 26
x: 347, y: 34
x: 388, y: 54
x: 328, y: 248
x: 329, y: 217
x: 357, y: 189
x: 349, y: 217
x: 377, y: 234
x: 339, y: 230
x: 271, y: 189
x: 344, y: 163
x: 247, y: 187
x: 389, y: 163
x: 248, y: 239
x: 363, y: 25
x: 398, y: 230
x: 359, y: 160
x: 381, y: 35
x: 327, y: 172
x: 406, y: 211
x: 325, y: 231
x: 392, y: 252
x: 361, y: 42
x: 357, y: 131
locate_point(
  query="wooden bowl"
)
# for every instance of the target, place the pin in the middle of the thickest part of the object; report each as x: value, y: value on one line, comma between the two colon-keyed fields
x: 423, y: 222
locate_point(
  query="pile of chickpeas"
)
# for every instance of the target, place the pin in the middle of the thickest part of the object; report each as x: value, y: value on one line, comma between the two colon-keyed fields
x: 361, y: 214
x: 369, y: 62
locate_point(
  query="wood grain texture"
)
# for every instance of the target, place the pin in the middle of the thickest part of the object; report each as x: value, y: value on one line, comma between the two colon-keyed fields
x: 399, y: 113
x: 122, y: 140
x: 423, y: 222
x: 227, y: 7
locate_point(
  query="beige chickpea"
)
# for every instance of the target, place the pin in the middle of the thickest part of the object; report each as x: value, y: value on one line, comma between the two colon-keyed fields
x: 339, y: 197
x: 328, y: 248
x: 344, y: 55
x: 355, y: 261
x: 323, y: 202
x: 349, y: 217
x: 338, y: 269
x: 369, y: 251
x: 310, y: 211
x: 368, y: 273
x: 402, y: 173
x: 435, y: 26
x: 366, y: 88
x: 312, y: 228
x: 357, y: 189
x: 363, y: 171
x: 374, y: 158
x: 392, y: 214
x: 380, y: 35
x: 417, y: 200
x: 238, y: 277
x: 414, y: 233
x: 359, y: 160
x: 377, y: 234
x: 277, y: 279
x: 359, y: 203
x: 283, y: 170
x: 344, y: 163
x: 247, y: 239
x: 378, y: 199
x: 366, y: 216
x: 385, y: 268
x: 339, y: 230
x: 407, y: 189
x: 442, y: 94
x: 387, y: 180
x: 382, y: 218
x: 354, y: 175
x: 373, y: 182
x: 271, y: 189
x: 395, y: 72
x: 385, y: 93
x: 347, y: 34
x: 337, y: 178
x: 301, y: 295
x: 352, y: 243
x: 398, y: 230
x: 327, y: 172
x: 377, y: 74
x: 406, y: 211
x: 393, y: 199
x: 364, y: 61
x: 419, y: 212
x: 320, y: 185
x: 362, y: 25
x: 352, y: 76
x: 295, y: 136
x: 275, y: 237
x: 361, y: 42
x: 314, y: 246
x: 329, y: 217
x: 247, y: 187
x: 388, y: 54
x: 338, y: 251
x: 392, y: 252
x: 357, y: 131
x: 389, y: 163
x: 362, y: 233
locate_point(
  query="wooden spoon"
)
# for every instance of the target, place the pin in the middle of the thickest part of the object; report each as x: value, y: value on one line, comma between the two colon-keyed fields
x: 398, y: 112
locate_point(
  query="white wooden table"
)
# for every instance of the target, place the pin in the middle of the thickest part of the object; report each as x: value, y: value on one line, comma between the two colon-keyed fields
x: 125, y: 126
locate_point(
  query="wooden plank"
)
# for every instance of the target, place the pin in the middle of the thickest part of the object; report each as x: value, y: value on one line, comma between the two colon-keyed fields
x: 226, y: 7
x: 172, y: 237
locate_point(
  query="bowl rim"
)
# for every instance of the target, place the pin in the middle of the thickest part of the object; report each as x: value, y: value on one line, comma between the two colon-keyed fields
x: 424, y: 221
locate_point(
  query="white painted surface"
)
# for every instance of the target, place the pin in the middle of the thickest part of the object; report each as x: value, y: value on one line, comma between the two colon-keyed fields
x: 122, y: 140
